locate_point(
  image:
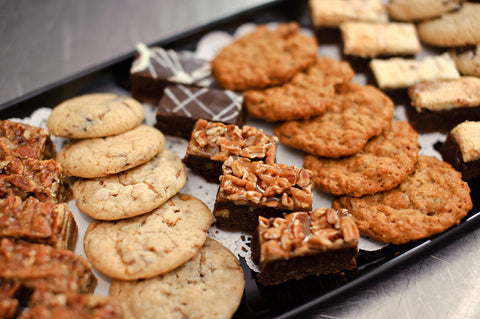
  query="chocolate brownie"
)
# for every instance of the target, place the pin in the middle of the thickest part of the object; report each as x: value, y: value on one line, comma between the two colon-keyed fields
x: 48, y: 222
x: 41, y: 266
x: 42, y: 179
x: 309, y: 93
x: 431, y: 200
x: 181, y: 106
x: 156, y: 67
x: 303, y: 244
x: 265, y: 57
x: 24, y: 141
x: 212, y: 143
x: 438, y: 106
x: 462, y: 149
x: 249, y: 189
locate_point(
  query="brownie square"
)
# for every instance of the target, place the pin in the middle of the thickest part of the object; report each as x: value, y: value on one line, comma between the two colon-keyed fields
x: 303, y: 244
x: 181, y: 106
x: 47, y: 223
x: 211, y: 143
x: 249, y: 189
x: 462, y: 149
x: 156, y: 67
x: 24, y: 141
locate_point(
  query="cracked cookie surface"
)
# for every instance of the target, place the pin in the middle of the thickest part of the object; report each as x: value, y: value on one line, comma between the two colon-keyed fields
x: 97, y: 157
x: 150, y: 244
x: 95, y: 115
x: 134, y: 192
x: 210, y: 285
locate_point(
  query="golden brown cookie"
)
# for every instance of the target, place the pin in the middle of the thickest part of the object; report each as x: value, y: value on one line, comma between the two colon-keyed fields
x: 309, y: 93
x: 210, y: 285
x: 384, y: 162
x: 430, y: 201
x: 151, y: 244
x: 98, y: 157
x: 360, y: 113
x: 95, y: 115
x: 265, y: 57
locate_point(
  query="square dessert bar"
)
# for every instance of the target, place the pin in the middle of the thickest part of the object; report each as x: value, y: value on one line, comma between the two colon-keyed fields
x: 24, y: 141
x: 38, y: 266
x: 370, y: 40
x: 47, y: 223
x: 401, y: 73
x: 181, y: 106
x: 155, y: 67
x: 462, y: 149
x: 42, y: 179
x: 438, y: 106
x: 249, y: 189
x: 211, y: 143
x: 303, y: 244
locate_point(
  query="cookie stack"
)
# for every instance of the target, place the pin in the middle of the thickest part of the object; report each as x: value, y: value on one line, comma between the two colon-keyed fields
x: 38, y: 268
x: 145, y: 234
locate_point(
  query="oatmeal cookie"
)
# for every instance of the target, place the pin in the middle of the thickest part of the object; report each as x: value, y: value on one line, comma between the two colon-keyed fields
x: 361, y: 113
x: 430, y: 201
x: 309, y: 93
x: 264, y: 57
x: 151, y: 244
x: 384, y: 162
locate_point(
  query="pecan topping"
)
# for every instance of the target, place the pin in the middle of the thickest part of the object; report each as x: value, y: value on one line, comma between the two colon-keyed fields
x: 306, y: 233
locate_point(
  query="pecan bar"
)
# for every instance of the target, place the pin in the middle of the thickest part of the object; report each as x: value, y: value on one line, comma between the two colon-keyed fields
x: 38, y: 266
x: 42, y: 179
x: 249, y: 189
x: 48, y: 223
x: 302, y: 244
x: 8, y: 298
x: 24, y: 141
x: 44, y: 305
x: 212, y: 143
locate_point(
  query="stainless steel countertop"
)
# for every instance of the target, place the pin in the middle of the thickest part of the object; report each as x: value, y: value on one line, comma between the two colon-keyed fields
x: 48, y: 40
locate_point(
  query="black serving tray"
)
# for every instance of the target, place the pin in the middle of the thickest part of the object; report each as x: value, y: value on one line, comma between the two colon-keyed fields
x: 292, y: 298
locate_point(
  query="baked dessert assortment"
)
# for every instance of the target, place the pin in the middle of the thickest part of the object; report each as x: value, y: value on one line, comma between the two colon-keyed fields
x: 302, y: 244
x: 462, y: 150
x: 212, y: 143
x: 151, y: 240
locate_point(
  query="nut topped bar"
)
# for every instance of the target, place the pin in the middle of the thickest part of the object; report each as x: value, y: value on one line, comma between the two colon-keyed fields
x: 42, y: 179
x: 38, y: 266
x: 304, y: 243
x: 249, y: 189
x: 48, y: 222
x: 24, y: 141
x: 212, y: 143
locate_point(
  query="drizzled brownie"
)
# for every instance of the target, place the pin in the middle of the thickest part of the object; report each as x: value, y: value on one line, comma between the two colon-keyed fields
x: 42, y: 179
x: 155, y: 67
x: 302, y: 244
x: 212, y: 143
x: 48, y: 223
x: 438, y: 106
x: 24, y: 141
x: 44, y: 305
x: 249, y: 189
x: 38, y: 266
x: 181, y: 106
x: 462, y: 149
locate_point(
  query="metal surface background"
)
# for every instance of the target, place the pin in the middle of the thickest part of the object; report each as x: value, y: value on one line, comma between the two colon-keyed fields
x: 43, y: 41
